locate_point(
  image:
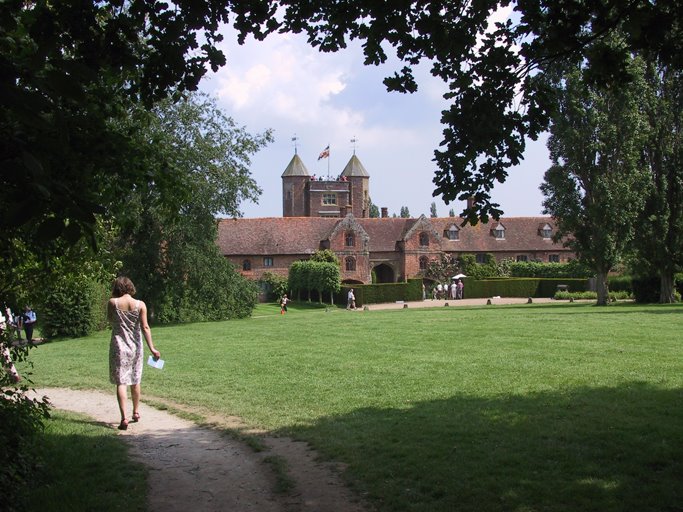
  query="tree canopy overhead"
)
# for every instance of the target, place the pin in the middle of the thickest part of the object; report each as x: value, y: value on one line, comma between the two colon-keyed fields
x: 496, y: 76
x: 69, y: 67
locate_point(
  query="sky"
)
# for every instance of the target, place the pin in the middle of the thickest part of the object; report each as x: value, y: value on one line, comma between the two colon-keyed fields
x: 333, y: 98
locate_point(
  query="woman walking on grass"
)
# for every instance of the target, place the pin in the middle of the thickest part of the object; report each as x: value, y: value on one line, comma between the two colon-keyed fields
x: 129, y: 323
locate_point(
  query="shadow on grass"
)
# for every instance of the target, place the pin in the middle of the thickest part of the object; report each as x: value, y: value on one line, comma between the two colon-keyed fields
x: 601, y: 449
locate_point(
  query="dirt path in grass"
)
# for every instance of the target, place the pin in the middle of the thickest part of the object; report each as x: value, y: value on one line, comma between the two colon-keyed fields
x: 200, y: 469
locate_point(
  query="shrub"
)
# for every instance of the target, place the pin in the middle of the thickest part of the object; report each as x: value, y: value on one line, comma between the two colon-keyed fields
x: 549, y: 270
x: 72, y: 306
x: 620, y: 283
x: 646, y: 289
x: 382, y: 292
x: 621, y: 295
x: 20, y: 420
x: 275, y: 284
x: 519, y: 287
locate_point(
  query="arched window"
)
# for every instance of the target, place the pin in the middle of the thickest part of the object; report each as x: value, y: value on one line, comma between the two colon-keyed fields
x: 424, y: 261
x: 350, y: 263
x: 424, y: 239
x: 350, y: 239
x: 246, y: 265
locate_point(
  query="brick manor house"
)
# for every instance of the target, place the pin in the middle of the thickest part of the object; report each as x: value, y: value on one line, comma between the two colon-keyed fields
x: 334, y: 214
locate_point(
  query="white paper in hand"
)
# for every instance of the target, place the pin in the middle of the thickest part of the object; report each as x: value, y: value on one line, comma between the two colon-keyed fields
x: 155, y: 363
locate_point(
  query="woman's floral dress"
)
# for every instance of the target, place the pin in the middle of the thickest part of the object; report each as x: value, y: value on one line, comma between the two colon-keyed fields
x: 125, y: 349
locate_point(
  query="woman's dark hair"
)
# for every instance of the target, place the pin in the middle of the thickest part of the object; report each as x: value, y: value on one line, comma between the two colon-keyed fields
x: 122, y: 286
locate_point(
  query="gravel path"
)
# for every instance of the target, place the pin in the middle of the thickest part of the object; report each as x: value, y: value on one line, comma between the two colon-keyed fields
x: 199, y: 469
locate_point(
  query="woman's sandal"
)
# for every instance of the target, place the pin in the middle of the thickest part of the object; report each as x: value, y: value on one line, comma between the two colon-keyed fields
x: 123, y: 425
x: 136, y: 417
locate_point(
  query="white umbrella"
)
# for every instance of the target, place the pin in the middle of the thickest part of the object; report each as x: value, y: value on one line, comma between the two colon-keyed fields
x: 458, y: 276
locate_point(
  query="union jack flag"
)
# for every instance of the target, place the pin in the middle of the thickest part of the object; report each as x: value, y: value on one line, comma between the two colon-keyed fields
x: 325, y: 153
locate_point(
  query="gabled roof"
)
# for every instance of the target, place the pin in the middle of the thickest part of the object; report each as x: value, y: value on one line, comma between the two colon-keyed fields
x: 296, y: 167
x: 384, y: 233
x: 355, y: 168
x: 273, y: 235
x: 422, y: 224
x: 350, y: 223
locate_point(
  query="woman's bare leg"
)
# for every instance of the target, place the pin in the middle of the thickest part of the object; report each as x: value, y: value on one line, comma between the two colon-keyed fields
x: 122, y: 396
x: 135, y: 394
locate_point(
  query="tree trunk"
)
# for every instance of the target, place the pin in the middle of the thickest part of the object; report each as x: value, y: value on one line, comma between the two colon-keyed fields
x: 602, y: 288
x: 666, y: 287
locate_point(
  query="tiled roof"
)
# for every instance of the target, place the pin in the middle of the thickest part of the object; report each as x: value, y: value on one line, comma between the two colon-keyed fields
x: 302, y: 235
x: 273, y: 235
x: 521, y: 235
x: 296, y: 167
x: 384, y: 233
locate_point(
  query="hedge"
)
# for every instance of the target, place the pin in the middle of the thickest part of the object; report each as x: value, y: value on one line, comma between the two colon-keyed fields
x: 381, y: 292
x: 520, y: 287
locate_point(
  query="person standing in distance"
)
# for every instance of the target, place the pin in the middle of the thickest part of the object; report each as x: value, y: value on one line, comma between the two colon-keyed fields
x: 351, y: 300
x: 28, y: 321
x: 129, y: 324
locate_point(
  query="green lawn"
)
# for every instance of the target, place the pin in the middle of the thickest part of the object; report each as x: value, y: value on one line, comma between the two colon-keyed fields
x: 525, y: 408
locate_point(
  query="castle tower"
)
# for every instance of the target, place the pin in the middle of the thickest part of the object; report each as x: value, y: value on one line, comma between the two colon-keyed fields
x: 359, y: 184
x: 294, y: 189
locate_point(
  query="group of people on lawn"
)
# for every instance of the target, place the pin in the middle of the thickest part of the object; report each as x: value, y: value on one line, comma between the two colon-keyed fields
x: 455, y: 291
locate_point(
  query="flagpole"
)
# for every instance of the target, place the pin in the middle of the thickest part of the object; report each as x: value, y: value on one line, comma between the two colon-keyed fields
x: 328, y: 163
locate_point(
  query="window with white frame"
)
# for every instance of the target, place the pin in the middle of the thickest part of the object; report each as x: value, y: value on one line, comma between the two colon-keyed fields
x: 553, y: 258
x: 499, y: 232
x: 547, y: 231
x: 329, y: 198
x: 522, y: 257
x: 480, y: 258
x: 268, y: 261
x: 349, y: 239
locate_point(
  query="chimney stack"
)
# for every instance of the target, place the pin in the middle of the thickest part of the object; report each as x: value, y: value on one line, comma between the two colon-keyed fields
x: 385, y: 212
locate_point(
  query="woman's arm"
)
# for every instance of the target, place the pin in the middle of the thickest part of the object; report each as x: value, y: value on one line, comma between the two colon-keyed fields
x: 146, y: 331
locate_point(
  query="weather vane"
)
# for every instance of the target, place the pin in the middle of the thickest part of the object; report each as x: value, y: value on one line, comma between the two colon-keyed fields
x: 294, y: 139
x: 353, y: 141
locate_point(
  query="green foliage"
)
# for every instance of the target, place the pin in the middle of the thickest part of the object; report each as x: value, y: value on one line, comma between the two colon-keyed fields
x: 613, y: 296
x: 572, y: 268
x: 276, y: 285
x: 659, y: 238
x: 73, y: 306
x: 405, y: 213
x: 21, y: 418
x: 520, y: 287
x: 320, y: 276
x: 490, y: 268
x: 646, y: 289
x: 594, y: 189
x: 383, y: 292
x: 325, y: 256
x: 432, y: 210
x: 442, y: 269
x: 167, y: 239
x: 620, y: 283
x: 373, y: 210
